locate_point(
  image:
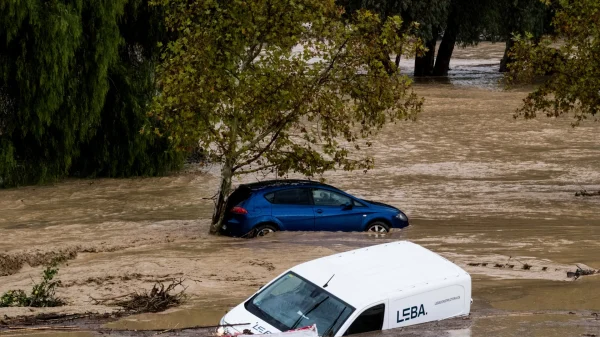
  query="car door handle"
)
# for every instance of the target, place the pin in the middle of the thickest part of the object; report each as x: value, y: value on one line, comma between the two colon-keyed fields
x: 319, y: 211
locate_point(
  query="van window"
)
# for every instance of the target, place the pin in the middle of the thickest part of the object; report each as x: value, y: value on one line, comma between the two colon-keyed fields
x: 370, y: 320
x: 292, y: 302
x: 291, y: 196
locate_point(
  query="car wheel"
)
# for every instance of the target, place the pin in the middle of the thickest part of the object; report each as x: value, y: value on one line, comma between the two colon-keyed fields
x: 378, y: 227
x: 262, y: 230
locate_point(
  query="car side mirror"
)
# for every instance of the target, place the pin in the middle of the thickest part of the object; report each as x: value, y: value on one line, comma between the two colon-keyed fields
x: 347, y: 205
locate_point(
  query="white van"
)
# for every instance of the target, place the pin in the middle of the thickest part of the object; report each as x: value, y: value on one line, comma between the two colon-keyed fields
x: 375, y: 288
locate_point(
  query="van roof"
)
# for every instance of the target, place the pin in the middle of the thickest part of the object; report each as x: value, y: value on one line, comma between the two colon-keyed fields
x: 371, y: 274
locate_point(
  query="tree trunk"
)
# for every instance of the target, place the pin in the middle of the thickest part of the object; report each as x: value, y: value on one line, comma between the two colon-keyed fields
x: 506, y: 60
x: 224, y: 190
x: 442, y: 63
x: 424, y: 64
x: 397, y: 62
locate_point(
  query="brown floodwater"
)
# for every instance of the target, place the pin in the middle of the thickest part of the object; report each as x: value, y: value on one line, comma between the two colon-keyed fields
x: 479, y: 187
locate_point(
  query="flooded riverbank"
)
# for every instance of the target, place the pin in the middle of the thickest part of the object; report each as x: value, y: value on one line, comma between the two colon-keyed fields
x: 478, y: 186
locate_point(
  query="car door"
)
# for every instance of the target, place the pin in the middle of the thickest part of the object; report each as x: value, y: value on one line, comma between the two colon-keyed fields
x: 293, y: 208
x: 336, y: 212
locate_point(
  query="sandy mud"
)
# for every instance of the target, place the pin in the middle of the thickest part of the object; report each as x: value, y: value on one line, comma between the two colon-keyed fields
x: 488, y: 192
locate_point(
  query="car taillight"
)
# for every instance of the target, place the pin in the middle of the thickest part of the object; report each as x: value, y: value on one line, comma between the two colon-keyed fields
x: 239, y: 210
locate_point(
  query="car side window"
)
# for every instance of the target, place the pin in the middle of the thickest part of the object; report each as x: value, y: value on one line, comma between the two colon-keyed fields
x: 290, y: 196
x: 358, y: 204
x: 329, y: 198
x: 370, y: 320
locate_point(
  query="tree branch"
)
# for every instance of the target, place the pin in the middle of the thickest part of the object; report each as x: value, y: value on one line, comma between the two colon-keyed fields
x: 276, y: 126
x: 262, y: 168
x: 333, y: 60
x: 263, y: 150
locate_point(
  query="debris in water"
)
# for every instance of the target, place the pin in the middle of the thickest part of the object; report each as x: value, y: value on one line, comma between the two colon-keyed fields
x: 581, y: 272
x: 158, y: 299
x: 473, y: 264
x: 545, y: 268
x: 584, y: 193
x: 498, y: 265
x: 527, y: 266
x: 484, y: 264
x: 511, y: 266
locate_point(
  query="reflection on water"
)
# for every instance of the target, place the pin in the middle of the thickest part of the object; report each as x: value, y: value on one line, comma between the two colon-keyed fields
x: 477, y: 185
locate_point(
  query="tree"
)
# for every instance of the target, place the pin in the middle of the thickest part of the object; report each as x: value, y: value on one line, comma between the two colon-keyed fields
x: 573, y: 68
x: 72, y: 98
x: 431, y: 16
x: 517, y: 17
x: 466, y: 24
x: 279, y: 86
x: 117, y: 148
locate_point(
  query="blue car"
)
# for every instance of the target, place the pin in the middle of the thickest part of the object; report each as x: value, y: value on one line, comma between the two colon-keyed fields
x: 302, y: 205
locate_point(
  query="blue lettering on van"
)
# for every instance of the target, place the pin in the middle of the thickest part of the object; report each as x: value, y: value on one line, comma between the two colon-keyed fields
x: 410, y: 313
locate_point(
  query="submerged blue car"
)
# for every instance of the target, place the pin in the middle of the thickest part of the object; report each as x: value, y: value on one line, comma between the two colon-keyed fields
x: 303, y: 205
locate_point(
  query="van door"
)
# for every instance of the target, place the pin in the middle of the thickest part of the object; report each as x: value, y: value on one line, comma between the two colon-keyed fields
x: 371, y: 319
x: 432, y: 305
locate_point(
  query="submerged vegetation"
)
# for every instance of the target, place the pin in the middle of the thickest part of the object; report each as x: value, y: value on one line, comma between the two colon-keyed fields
x: 42, y: 294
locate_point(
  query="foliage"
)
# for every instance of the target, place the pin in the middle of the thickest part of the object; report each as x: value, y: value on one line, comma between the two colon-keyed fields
x: 431, y: 15
x: 280, y: 86
x: 508, y: 17
x: 573, y: 66
x: 42, y: 294
x: 63, y: 79
x: 118, y: 149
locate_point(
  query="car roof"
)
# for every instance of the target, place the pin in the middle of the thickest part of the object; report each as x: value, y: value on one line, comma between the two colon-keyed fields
x: 284, y: 182
x: 365, y: 276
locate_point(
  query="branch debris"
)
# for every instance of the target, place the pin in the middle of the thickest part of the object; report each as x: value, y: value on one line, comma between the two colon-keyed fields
x: 158, y: 299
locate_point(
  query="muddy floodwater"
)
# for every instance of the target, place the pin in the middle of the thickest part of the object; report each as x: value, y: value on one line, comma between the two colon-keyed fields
x: 482, y: 189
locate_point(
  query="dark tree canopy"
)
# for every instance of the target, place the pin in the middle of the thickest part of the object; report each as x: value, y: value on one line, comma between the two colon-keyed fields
x: 75, y: 79
x: 462, y: 22
x: 509, y: 17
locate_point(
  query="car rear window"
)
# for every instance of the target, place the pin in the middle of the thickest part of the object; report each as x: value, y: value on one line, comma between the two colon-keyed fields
x: 290, y: 196
x: 238, y: 196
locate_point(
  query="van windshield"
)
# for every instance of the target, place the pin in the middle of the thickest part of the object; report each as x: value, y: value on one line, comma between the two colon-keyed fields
x: 292, y: 302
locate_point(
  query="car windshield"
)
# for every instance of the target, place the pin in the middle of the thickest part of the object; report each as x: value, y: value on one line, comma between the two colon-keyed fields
x: 292, y: 302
